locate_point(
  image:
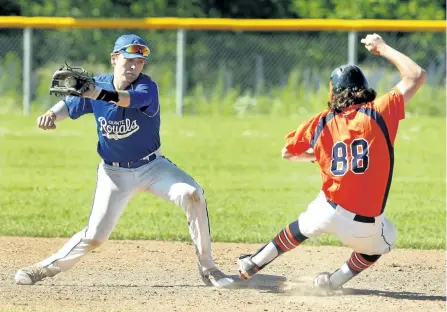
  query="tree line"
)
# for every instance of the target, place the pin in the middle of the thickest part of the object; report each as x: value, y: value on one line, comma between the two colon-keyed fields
x: 206, y: 53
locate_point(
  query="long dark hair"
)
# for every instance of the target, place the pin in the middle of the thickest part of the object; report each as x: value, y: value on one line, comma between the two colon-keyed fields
x: 348, y: 98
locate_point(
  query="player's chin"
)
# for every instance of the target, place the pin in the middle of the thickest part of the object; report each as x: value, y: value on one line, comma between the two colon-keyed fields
x: 129, y: 77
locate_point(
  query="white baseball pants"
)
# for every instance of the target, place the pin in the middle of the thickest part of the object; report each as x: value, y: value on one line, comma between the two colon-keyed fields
x: 367, y: 238
x: 115, y: 187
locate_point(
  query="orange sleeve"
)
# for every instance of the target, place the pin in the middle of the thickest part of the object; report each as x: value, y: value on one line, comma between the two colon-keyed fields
x: 391, y: 105
x: 298, y: 141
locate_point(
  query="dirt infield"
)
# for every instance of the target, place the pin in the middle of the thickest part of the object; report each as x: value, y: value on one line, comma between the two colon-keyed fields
x: 162, y: 276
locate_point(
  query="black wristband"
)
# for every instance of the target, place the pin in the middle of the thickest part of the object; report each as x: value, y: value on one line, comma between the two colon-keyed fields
x: 108, y: 96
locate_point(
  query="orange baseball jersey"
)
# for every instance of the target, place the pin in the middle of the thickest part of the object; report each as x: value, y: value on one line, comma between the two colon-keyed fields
x: 355, y: 151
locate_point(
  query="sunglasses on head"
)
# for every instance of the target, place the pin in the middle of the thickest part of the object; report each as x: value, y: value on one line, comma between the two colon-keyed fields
x: 136, y: 49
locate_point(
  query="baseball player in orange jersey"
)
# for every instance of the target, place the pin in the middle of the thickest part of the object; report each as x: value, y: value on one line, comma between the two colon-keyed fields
x: 352, y: 141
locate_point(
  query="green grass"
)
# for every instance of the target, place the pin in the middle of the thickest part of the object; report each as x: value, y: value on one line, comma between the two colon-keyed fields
x: 47, y: 180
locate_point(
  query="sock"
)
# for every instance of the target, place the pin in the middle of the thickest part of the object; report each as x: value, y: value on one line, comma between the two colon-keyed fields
x: 265, y: 255
x: 289, y: 238
x: 356, y: 264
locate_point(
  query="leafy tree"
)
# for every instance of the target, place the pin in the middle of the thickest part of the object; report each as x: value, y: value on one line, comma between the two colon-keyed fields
x: 370, y: 9
x: 9, y: 7
x: 209, y: 53
x: 248, y: 9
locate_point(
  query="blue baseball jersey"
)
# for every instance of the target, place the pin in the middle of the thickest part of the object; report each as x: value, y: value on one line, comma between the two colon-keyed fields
x: 125, y: 134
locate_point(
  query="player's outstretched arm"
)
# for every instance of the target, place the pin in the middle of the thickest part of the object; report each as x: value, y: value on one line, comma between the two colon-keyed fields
x: 144, y: 95
x: 48, y: 120
x: 413, y: 76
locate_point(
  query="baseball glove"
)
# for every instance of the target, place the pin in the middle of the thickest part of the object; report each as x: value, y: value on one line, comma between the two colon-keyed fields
x: 70, y: 81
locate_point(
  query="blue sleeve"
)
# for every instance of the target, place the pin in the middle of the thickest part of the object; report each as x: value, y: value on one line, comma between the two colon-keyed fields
x: 78, y: 106
x: 145, y: 96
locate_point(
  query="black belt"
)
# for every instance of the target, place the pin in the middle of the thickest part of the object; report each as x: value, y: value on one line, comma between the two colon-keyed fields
x: 132, y: 164
x: 357, y: 217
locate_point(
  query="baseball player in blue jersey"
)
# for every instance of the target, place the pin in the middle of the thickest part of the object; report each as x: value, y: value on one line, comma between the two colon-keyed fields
x: 126, y: 108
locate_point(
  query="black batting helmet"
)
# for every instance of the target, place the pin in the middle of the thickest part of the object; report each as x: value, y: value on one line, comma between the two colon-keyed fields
x: 348, y: 77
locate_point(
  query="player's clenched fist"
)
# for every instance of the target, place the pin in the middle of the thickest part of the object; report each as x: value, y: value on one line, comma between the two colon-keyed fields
x: 46, y: 121
x: 374, y: 43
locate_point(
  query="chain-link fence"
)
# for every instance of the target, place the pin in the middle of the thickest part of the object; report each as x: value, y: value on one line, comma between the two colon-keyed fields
x: 224, y: 72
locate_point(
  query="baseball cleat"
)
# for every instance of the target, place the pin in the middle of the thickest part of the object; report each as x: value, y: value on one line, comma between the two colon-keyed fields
x: 215, y: 277
x: 323, y: 282
x: 247, y: 268
x: 31, y: 275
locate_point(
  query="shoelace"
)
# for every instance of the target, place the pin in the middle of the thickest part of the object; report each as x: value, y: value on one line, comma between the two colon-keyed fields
x: 250, y: 267
x: 36, y: 274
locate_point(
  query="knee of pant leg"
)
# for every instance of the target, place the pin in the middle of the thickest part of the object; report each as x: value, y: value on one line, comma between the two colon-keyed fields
x: 317, y: 219
x: 308, y: 226
x: 388, y: 236
x: 184, y: 194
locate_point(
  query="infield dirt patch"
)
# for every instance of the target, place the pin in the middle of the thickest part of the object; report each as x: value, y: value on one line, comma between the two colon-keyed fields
x: 162, y: 276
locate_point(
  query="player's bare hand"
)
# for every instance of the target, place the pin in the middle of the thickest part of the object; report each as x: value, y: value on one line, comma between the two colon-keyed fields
x: 47, y: 121
x: 374, y: 43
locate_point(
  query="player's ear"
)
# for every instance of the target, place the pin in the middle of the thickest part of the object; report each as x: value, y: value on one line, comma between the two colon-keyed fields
x: 113, y: 59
